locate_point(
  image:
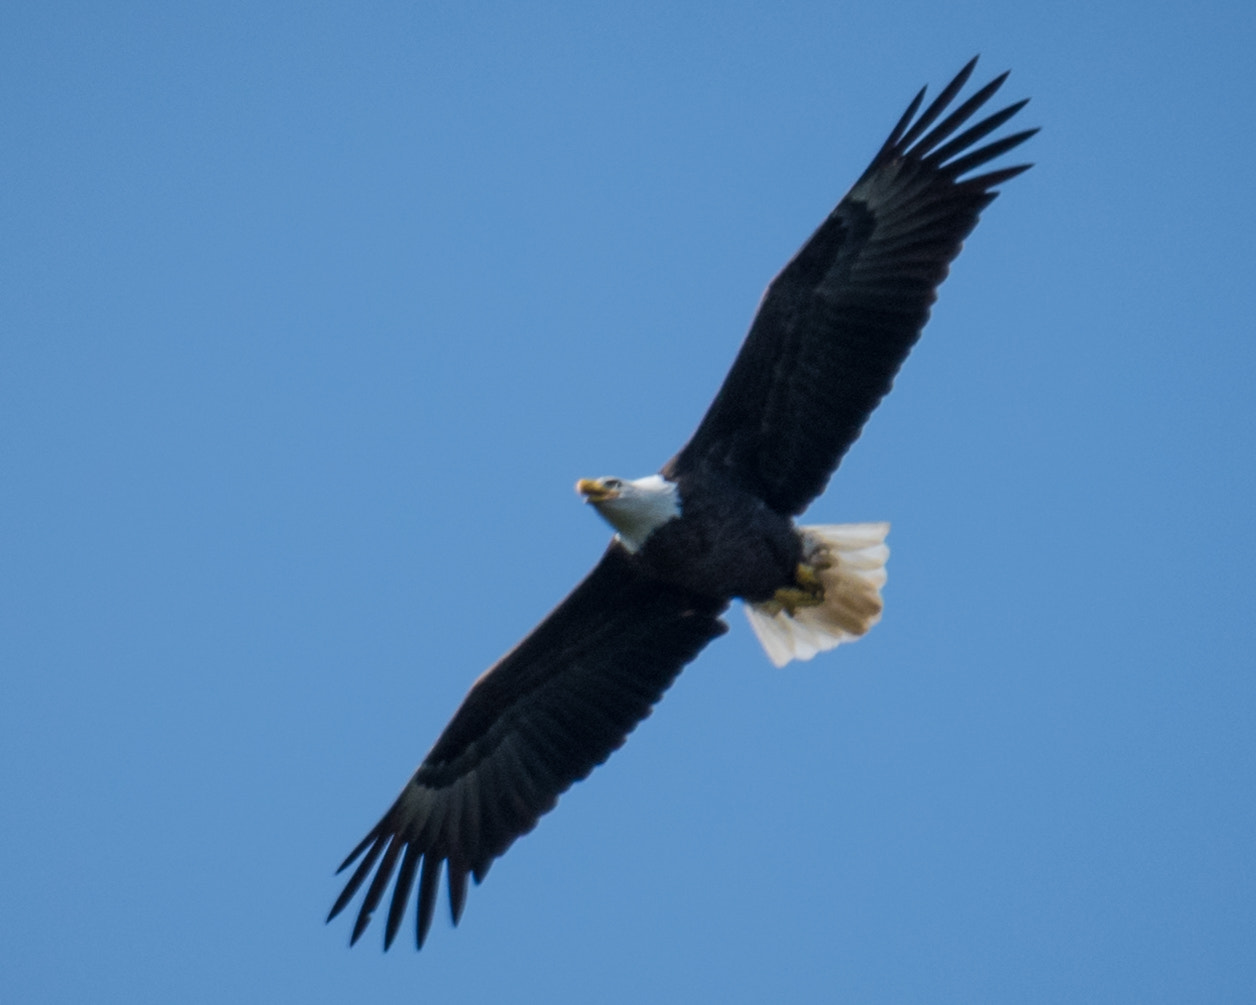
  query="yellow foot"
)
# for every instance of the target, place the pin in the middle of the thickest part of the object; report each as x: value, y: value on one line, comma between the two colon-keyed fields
x: 809, y: 591
x: 807, y: 576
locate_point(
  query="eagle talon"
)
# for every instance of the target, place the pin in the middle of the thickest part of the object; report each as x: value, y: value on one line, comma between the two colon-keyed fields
x: 807, y: 576
x: 792, y: 598
x: 807, y: 591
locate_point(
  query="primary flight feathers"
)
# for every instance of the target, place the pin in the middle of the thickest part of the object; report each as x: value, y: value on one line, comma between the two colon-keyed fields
x: 714, y: 525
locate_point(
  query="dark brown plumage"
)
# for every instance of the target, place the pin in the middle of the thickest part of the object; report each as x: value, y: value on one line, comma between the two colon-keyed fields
x: 837, y: 322
x: 543, y: 717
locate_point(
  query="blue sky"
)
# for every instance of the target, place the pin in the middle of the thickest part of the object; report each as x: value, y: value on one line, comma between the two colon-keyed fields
x: 312, y: 316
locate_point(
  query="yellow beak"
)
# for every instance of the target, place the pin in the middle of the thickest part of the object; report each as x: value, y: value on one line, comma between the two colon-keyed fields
x: 594, y: 490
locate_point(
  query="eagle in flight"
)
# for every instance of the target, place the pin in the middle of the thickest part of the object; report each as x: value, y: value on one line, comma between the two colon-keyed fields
x: 716, y: 523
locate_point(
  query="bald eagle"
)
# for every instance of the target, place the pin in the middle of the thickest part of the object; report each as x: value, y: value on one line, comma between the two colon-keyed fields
x: 715, y: 524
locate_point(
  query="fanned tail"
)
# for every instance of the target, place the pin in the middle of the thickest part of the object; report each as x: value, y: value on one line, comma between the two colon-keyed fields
x: 849, y: 562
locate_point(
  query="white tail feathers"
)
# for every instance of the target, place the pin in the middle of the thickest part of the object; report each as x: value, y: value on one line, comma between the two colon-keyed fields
x: 849, y: 559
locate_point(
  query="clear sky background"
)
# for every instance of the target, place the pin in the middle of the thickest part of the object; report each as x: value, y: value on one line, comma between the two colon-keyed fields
x: 311, y: 315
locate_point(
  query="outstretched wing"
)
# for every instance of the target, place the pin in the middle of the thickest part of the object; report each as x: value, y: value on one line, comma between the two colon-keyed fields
x: 836, y: 324
x: 542, y: 718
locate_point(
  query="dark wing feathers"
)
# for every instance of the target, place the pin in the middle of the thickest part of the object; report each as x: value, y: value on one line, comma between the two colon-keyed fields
x: 548, y: 713
x: 836, y: 324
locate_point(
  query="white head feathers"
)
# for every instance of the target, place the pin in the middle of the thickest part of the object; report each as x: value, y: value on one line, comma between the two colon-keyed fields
x: 634, y: 508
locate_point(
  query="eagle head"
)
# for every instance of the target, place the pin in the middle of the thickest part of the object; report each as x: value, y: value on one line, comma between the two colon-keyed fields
x: 635, y: 508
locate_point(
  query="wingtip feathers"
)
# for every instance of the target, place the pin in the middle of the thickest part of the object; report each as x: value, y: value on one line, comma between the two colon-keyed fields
x: 922, y: 137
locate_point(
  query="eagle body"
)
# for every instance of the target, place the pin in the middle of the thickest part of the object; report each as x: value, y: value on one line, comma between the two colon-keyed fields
x: 717, y: 523
x: 726, y: 543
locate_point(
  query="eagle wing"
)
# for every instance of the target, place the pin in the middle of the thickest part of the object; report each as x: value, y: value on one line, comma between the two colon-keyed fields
x: 836, y: 324
x: 543, y: 717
